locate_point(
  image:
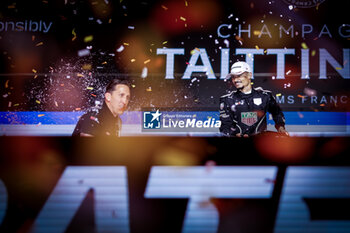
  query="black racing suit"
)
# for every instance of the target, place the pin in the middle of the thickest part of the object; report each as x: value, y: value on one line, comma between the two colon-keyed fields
x: 98, y: 122
x: 246, y: 113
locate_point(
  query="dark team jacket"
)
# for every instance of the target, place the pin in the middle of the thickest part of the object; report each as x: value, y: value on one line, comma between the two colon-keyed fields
x: 98, y: 122
x: 246, y: 113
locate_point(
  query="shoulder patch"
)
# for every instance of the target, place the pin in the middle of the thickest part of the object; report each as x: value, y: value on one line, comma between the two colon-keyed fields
x: 226, y: 95
x: 260, y: 89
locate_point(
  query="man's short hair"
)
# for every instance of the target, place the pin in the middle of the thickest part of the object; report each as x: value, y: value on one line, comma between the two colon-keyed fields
x: 112, y: 84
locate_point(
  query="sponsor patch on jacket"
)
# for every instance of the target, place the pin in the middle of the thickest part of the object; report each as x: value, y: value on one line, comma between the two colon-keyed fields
x: 257, y: 101
x: 249, y: 118
x: 241, y: 102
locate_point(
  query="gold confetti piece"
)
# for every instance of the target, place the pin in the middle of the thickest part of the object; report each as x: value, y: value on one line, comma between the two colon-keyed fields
x: 87, y: 67
x: 35, y: 76
x: 322, y: 105
x: 89, y: 88
x: 11, y: 7
x: 80, y: 75
x: 257, y: 47
x: 147, y: 61
x: 165, y: 42
x: 74, y: 34
x: 133, y: 85
x: 7, y: 83
x: 288, y: 72
x: 186, y: 3
x: 164, y: 7
x: 256, y: 32
x: 127, y: 44
x: 37, y: 101
x: 149, y: 89
x: 279, y: 94
x: 301, y: 96
x: 15, y: 105
x: 77, y: 109
x: 338, y: 68
x: 193, y: 51
x: 104, y: 63
x: 88, y: 38
x: 39, y: 44
x: 313, y: 53
x: 133, y: 60
x: 304, y: 46
x: 41, y: 115
x: 182, y: 18
x: 110, y: 21
x: 34, y: 71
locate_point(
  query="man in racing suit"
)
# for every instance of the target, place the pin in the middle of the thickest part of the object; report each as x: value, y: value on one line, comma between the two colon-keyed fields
x: 106, y: 121
x: 243, y: 112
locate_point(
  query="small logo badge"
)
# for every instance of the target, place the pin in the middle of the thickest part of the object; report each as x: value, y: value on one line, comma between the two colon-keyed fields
x: 257, y: 101
x: 249, y: 118
x: 152, y: 120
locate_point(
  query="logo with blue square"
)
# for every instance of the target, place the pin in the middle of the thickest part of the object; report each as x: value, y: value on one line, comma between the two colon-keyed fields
x: 152, y: 120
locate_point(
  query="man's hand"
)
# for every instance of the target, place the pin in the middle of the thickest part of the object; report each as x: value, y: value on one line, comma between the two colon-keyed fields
x: 282, y: 130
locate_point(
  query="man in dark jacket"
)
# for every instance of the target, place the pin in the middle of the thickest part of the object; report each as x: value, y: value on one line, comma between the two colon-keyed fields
x: 243, y: 112
x: 106, y: 121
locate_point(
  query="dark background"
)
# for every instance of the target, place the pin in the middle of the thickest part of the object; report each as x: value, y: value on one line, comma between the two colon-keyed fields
x: 34, y: 65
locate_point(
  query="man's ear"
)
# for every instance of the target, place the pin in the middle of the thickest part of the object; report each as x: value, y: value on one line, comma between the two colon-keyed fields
x: 108, y: 96
x: 250, y: 75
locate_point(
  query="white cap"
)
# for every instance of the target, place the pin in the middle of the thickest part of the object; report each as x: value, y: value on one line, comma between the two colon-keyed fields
x: 239, y: 68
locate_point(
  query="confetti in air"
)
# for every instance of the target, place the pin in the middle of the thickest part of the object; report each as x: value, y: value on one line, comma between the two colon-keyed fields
x: 83, y: 52
x: 144, y: 72
x: 309, y: 91
x: 74, y: 34
x: 120, y: 49
x: 88, y: 38
x: 304, y: 46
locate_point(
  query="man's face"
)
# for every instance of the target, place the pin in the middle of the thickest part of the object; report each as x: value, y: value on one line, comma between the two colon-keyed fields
x: 118, y: 99
x: 242, y: 80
